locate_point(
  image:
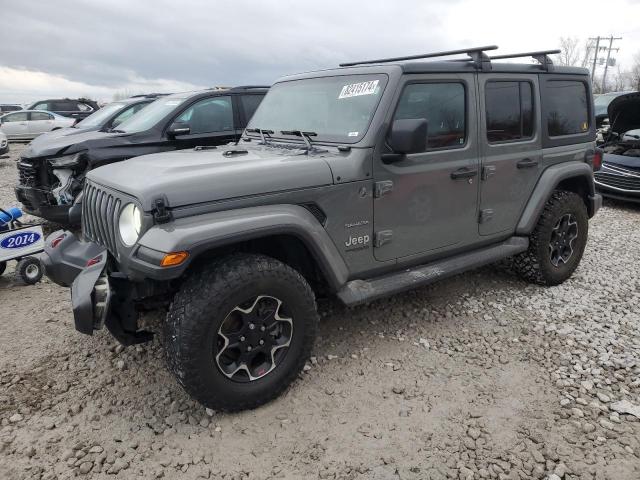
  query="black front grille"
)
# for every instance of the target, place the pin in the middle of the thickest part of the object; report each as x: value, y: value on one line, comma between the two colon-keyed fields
x: 27, y: 174
x: 625, y: 182
x: 100, y: 212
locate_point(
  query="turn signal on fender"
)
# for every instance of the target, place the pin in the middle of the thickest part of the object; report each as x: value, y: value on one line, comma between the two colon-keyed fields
x: 173, y: 258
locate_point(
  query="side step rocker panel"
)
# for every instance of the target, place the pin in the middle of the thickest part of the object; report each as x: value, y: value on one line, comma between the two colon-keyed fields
x: 360, y: 291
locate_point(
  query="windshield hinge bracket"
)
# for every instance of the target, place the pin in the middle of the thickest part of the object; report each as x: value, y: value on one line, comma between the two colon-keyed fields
x: 161, y: 214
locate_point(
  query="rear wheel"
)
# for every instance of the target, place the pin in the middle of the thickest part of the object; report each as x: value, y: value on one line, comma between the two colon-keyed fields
x: 239, y: 332
x: 558, y: 241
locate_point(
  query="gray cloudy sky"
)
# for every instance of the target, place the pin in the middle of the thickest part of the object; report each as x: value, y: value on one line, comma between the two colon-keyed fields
x: 97, y: 48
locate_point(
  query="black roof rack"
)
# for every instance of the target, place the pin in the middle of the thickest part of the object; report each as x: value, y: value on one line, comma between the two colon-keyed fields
x: 476, y: 54
x: 541, y: 56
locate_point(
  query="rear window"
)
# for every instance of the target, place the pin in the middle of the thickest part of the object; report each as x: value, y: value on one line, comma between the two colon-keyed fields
x: 567, y: 108
x: 509, y: 111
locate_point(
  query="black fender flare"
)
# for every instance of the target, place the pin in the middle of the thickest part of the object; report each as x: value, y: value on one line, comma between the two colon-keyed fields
x: 201, y: 233
x: 547, y: 183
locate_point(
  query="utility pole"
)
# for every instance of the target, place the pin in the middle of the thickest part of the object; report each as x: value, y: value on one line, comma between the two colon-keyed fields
x: 606, y: 64
x: 595, y: 57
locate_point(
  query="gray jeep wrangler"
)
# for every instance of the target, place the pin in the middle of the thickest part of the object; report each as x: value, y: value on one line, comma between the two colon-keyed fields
x: 358, y: 182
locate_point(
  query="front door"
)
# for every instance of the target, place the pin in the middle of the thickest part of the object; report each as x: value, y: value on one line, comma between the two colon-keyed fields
x: 511, y: 149
x: 211, y: 122
x: 427, y: 202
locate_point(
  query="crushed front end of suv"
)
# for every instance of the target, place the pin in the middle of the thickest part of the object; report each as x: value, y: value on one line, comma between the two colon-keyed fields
x: 358, y: 182
x: 52, y: 169
x: 619, y: 177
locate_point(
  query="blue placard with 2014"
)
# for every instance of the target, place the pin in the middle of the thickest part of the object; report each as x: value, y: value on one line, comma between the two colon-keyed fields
x: 20, y: 240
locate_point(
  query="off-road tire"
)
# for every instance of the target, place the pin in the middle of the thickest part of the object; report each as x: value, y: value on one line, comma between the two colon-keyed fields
x: 200, y: 306
x: 3, y: 267
x: 29, y: 270
x: 535, y: 265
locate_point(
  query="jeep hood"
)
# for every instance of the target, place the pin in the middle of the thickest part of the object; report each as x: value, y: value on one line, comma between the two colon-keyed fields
x: 188, y: 177
x: 50, y: 145
x: 624, y: 113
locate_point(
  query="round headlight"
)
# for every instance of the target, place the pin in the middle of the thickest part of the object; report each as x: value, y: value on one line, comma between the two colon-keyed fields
x: 130, y: 224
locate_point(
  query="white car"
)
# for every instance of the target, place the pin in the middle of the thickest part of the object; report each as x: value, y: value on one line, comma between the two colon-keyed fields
x: 28, y: 124
x: 4, y: 144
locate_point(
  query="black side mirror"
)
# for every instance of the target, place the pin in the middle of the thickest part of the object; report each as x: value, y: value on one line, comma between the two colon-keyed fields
x: 408, y: 135
x: 178, y: 128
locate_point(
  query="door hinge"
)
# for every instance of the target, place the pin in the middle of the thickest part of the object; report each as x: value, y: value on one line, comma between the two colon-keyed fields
x: 488, y: 171
x: 382, y: 188
x: 485, y: 215
x: 382, y: 237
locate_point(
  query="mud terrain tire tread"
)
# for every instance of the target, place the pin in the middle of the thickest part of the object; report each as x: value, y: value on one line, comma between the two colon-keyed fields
x: 534, y: 265
x: 199, y: 307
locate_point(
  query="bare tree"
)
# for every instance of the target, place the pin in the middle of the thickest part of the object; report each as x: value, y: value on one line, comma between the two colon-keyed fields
x: 634, y: 73
x: 618, y: 80
x: 573, y: 53
x: 569, y: 51
x: 121, y: 95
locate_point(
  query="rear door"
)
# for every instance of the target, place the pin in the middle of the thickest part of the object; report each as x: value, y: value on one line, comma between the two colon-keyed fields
x: 40, y: 122
x: 428, y: 201
x: 511, y: 146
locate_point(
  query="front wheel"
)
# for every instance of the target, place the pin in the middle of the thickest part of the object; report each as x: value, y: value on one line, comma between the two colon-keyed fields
x: 558, y: 241
x: 239, y: 331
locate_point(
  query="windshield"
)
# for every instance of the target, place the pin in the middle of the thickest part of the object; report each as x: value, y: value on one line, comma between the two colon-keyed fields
x: 150, y: 115
x: 601, y: 103
x: 337, y: 109
x: 101, y: 116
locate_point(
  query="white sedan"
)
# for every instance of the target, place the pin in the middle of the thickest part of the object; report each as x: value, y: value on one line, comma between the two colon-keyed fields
x: 28, y: 124
x: 4, y: 144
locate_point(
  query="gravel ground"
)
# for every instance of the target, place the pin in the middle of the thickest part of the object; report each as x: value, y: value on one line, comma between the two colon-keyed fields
x: 480, y: 376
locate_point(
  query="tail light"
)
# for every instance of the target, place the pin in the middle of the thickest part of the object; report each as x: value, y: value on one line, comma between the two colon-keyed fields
x: 596, y: 161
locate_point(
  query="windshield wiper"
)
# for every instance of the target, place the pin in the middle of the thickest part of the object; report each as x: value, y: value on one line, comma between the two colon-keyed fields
x: 306, y: 136
x: 115, y: 130
x: 262, y: 133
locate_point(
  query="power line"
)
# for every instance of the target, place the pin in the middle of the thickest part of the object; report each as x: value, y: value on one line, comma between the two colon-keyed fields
x: 597, y: 39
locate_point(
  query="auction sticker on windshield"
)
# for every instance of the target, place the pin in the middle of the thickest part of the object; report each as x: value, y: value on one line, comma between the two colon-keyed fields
x: 357, y: 89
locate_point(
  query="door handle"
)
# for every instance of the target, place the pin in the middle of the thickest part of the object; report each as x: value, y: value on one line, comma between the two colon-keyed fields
x: 527, y: 163
x: 463, y: 173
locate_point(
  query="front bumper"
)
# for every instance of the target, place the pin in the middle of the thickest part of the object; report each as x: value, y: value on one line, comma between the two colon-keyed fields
x: 41, y: 204
x: 95, y: 301
x: 617, y: 194
x: 79, y: 265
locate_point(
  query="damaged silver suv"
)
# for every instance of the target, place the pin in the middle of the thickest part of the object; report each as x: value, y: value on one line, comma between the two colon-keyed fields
x: 357, y: 182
